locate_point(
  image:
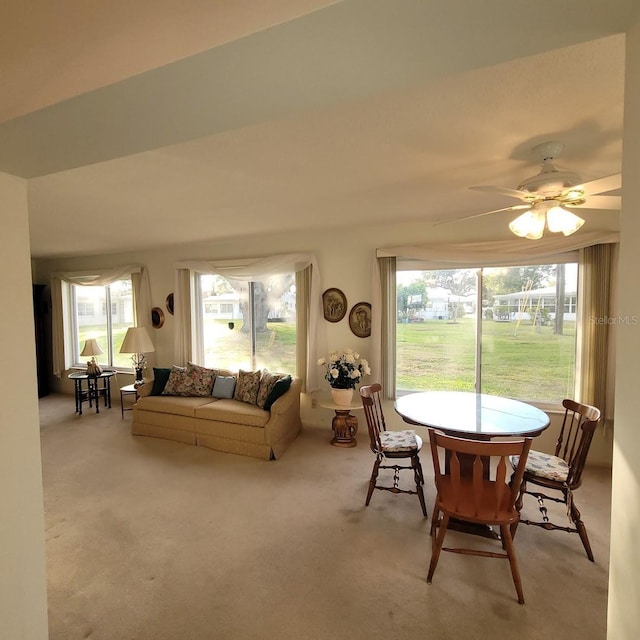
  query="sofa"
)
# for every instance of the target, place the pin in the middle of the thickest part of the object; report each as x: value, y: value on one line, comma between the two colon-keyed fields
x: 234, y: 424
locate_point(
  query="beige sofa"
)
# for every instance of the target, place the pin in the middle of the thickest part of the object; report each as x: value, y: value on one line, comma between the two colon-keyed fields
x: 221, y: 424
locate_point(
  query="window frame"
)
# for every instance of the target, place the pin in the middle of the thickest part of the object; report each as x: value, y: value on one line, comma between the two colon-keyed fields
x: 423, y: 265
x: 70, y: 311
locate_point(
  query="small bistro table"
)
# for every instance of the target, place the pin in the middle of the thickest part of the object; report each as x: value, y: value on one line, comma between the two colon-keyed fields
x: 93, y: 391
x: 128, y: 390
x: 344, y: 423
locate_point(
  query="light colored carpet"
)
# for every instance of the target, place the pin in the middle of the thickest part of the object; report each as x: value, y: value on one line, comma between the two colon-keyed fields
x: 154, y: 540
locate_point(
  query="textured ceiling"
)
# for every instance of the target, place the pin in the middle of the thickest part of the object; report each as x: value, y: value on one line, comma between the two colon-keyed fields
x: 262, y: 115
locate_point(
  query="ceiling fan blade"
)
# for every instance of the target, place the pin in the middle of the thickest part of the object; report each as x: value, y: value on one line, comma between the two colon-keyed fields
x: 603, y: 185
x: 613, y: 203
x: 512, y: 193
x: 515, y: 207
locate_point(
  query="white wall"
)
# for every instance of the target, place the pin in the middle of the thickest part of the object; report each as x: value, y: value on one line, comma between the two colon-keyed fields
x: 23, y: 598
x: 624, y: 570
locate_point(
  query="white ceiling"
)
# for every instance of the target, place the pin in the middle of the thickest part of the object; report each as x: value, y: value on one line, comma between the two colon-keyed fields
x: 207, y: 120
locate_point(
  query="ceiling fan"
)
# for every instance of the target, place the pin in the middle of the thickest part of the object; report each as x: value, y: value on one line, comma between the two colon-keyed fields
x: 548, y: 197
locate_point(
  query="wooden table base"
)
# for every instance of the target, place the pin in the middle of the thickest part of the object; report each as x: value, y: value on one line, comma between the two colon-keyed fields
x: 345, y: 427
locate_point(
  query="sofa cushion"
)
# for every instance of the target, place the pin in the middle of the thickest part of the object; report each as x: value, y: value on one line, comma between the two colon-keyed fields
x: 177, y: 383
x: 176, y: 405
x: 224, y: 387
x: 233, y: 411
x: 160, y: 378
x: 202, y: 379
x: 247, y: 386
x: 279, y: 389
x: 267, y: 382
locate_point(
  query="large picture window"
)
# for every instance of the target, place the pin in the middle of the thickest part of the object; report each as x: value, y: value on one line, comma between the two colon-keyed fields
x: 507, y: 331
x: 104, y: 313
x: 247, y: 325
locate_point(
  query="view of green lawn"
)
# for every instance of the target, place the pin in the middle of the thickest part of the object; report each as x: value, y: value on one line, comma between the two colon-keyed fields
x: 99, y: 332
x: 518, y: 361
x: 225, y: 348
x: 522, y: 361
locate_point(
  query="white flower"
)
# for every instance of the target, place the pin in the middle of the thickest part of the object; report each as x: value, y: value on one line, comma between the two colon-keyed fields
x: 344, y: 369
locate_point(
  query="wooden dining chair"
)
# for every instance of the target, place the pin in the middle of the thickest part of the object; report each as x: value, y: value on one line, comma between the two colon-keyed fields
x: 562, y: 472
x: 474, y: 484
x: 390, y: 448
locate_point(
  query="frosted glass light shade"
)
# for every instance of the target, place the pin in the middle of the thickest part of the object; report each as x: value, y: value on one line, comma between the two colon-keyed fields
x: 91, y: 348
x: 529, y: 225
x: 137, y: 340
x: 560, y: 220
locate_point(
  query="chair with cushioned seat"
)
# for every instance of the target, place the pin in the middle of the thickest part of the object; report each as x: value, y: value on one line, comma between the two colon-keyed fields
x: 474, y: 484
x: 391, y: 447
x: 562, y: 472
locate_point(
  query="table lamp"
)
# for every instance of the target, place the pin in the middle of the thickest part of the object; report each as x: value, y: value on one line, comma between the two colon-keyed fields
x: 137, y: 342
x: 92, y: 348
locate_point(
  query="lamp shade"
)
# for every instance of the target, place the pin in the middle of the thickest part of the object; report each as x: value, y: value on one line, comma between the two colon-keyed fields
x: 137, y: 340
x: 91, y: 348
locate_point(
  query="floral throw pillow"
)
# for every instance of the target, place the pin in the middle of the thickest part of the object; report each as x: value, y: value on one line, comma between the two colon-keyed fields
x: 202, y: 379
x: 247, y: 386
x: 267, y: 382
x: 177, y: 384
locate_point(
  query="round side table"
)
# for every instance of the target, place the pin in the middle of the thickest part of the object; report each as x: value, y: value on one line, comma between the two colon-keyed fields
x: 130, y: 389
x: 344, y: 423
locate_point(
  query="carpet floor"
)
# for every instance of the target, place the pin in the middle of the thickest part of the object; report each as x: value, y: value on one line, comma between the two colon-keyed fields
x: 154, y: 540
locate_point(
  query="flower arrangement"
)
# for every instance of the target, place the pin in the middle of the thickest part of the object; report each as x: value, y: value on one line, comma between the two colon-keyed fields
x: 344, y: 368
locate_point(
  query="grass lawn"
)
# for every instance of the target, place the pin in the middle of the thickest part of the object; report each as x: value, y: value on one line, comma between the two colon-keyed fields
x: 517, y: 361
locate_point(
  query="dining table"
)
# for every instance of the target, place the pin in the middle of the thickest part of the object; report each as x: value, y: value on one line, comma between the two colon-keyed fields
x: 467, y: 414
x: 472, y: 415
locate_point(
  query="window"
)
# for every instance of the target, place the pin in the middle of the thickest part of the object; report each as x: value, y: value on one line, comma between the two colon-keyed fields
x: 517, y: 339
x: 89, y: 319
x: 248, y: 325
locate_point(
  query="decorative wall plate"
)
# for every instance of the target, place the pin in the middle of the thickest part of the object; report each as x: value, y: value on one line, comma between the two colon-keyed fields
x: 334, y: 305
x: 169, y: 303
x: 157, y: 317
x: 360, y: 319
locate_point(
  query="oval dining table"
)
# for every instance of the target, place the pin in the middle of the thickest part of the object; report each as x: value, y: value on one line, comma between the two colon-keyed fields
x: 472, y: 415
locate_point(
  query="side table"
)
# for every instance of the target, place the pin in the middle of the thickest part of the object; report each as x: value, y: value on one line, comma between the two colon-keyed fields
x: 344, y: 423
x: 128, y: 390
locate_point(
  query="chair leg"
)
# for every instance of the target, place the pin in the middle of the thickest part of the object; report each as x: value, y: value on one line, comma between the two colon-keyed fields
x: 417, y: 473
x: 582, y: 530
x: 437, y: 547
x: 434, y: 518
x: 507, y: 543
x: 372, y: 481
x: 420, y: 470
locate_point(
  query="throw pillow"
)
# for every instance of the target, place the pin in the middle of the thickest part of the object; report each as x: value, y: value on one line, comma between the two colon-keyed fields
x: 160, y: 377
x: 178, y: 384
x: 247, y: 386
x: 224, y: 386
x: 202, y: 379
x: 279, y: 389
x: 267, y: 381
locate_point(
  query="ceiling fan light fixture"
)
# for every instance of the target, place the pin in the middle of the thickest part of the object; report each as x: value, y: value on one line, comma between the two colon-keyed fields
x: 529, y: 225
x: 559, y: 220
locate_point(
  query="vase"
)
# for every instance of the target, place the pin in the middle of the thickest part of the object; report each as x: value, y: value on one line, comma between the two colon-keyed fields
x: 342, y: 397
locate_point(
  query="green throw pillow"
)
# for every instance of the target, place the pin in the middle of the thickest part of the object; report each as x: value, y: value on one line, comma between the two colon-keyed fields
x: 160, y: 377
x: 279, y: 389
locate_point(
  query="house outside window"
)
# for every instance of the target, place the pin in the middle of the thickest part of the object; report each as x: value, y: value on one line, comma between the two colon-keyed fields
x: 246, y: 325
x: 104, y: 313
x: 509, y: 341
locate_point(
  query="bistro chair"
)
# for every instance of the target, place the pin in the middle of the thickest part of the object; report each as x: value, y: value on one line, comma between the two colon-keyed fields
x: 474, y: 485
x: 391, y: 448
x: 562, y: 472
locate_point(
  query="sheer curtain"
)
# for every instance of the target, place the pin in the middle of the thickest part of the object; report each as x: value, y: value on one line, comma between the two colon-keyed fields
x: 308, y: 303
x: 505, y: 253
x: 99, y: 277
